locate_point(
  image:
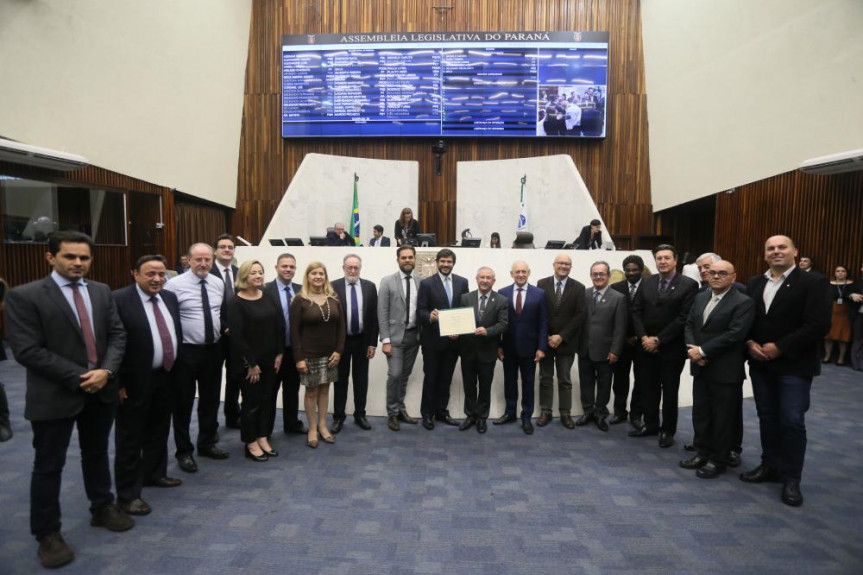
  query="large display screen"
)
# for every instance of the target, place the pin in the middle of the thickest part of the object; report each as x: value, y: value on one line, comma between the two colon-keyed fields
x: 501, y: 84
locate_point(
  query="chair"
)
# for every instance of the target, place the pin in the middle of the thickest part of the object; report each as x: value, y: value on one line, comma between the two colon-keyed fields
x: 523, y: 241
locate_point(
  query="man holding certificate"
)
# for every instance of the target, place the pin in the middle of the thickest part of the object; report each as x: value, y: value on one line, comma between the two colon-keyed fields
x: 479, y: 349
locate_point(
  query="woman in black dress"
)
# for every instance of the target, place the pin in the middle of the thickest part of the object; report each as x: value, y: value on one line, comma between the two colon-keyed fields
x: 407, y: 228
x: 257, y: 335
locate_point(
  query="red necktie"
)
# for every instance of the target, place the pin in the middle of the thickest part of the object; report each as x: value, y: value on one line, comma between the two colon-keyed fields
x: 164, y: 335
x: 86, y: 327
x: 518, y: 302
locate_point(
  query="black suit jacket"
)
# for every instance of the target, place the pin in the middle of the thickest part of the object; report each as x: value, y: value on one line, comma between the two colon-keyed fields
x: 138, y: 359
x: 47, y: 340
x: 584, y: 242
x: 271, y: 289
x: 567, y: 318
x: 663, y: 315
x: 223, y: 310
x: 495, y: 319
x: 370, y: 308
x: 385, y: 242
x: 799, y: 318
x: 623, y: 287
x: 333, y: 239
x: 432, y: 296
x: 722, y: 337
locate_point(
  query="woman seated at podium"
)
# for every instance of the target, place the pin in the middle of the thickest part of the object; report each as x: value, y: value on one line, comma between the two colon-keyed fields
x: 495, y: 240
x: 406, y: 228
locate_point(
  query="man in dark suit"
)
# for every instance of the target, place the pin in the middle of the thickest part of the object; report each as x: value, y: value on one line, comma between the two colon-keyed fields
x: 360, y: 307
x: 523, y: 345
x: 282, y: 290
x: 379, y: 240
x: 792, y: 316
x: 659, y: 315
x: 633, y: 268
x: 151, y: 317
x: 715, y: 336
x: 601, y: 345
x: 857, y: 344
x: 479, y: 350
x: 224, y: 269
x: 565, y: 299
x: 67, y: 333
x: 590, y: 237
x: 443, y: 290
x: 339, y: 237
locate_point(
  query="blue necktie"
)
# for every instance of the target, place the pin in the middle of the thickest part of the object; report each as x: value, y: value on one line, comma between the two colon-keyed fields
x: 287, y: 311
x: 448, y: 287
x: 355, y: 311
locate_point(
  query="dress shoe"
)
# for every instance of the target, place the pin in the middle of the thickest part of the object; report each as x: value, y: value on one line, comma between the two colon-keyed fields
x: 445, y: 418
x: 405, y: 418
x: 428, y: 422
x: 313, y: 443
x: 187, y: 463
x: 232, y: 424
x: 328, y: 438
x: 135, y: 507
x: 362, y: 422
x: 258, y: 458
x: 665, y: 440
x: 54, y: 551
x: 527, y: 427
x: 689, y: 446
x: 733, y: 459
x: 5, y: 435
x: 584, y: 419
x: 694, y: 462
x: 213, y: 452
x: 643, y: 432
x: 111, y: 518
x: 337, y: 425
x: 296, y: 428
x: 393, y: 422
x: 164, y: 482
x: 481, y: 425
x: 617, y: 419
x: 636, y: 422
x: 710, y: 470
x: 466, y: 424
x: 791, y: 494
x: 601, y: 424
x: 544, y: 419
x: 761, y: 474
x: 505, y: 418
x: 567, y: 422
x: 270, y: 452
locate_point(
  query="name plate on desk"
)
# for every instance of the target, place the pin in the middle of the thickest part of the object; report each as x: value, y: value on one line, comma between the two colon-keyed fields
x: 457, y: 321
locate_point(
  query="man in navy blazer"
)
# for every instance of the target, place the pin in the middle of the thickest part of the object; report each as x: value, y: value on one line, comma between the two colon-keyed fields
x: 224, y: 269
x: 151, y: 317
x: 443, y: 290
x: 360, y: 307
x: 66, y: 332
x: 792, y: 315
x: 379, y: 240
x: 523, y: 345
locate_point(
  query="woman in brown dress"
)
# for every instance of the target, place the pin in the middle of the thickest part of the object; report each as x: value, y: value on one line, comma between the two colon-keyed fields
x: 318, y: 340
x: 840, y: 330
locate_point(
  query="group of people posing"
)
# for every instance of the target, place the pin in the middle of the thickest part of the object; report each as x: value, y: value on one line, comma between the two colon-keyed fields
x: 138, y: 356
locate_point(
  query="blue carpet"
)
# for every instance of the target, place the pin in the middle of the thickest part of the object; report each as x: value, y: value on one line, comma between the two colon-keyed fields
x: 446, y: 501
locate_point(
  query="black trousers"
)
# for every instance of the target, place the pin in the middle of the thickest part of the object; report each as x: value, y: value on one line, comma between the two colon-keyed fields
x: 288, y: 379
x: 661, y: 373
x: 477, y: 377
x: 714, y: 414
x: 620, y: 384
x: 141, y: 435
x: 232, y: 384
x: 4, y: 404
x: 259, y: 405
x: 51, y: 441
x: 438, y: 368
x: 594, y: 379
x: 201, y: 366
x: 355, y: 363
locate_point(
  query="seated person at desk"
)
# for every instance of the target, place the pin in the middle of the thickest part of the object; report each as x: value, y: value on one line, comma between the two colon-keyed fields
x: 339, y: 237
x: 590, y: 237
x: 379, y: 240
x: 495, y: 240
x: 406, y: 228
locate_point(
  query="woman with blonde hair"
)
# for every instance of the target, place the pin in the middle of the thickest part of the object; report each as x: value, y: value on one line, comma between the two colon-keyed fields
x: 257, y: 334
x: 318, y: 340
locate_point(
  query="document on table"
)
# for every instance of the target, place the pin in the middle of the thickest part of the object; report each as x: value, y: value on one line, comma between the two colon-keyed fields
x: 456, y: 321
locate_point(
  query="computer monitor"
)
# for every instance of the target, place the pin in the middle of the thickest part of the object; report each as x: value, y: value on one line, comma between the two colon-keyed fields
x: 554, y: 244
x: 277, y: 242
x: 293, y: 242
x: 317, y: 241
x: 471, y: 242
x: 426, y: 240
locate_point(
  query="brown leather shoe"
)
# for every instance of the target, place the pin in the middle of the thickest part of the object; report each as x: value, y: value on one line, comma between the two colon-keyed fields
x: 393, y: 422
x: 111, y: 518
x: 544, y: 419
x: 135, y: 507
x: 567, y: 421
x: 54, y: 551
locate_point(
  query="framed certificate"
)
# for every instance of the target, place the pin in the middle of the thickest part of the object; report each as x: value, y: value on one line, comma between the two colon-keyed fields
x: 456, y: 321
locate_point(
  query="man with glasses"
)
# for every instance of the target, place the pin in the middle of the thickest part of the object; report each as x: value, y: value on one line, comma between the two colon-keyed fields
x: 224, y: 269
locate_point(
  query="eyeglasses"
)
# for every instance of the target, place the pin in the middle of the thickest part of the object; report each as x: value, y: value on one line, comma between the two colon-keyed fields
x: 718, y: 273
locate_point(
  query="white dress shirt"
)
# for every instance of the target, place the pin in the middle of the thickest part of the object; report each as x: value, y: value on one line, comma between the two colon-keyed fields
x: 187, y: 288
x: 158, y: 352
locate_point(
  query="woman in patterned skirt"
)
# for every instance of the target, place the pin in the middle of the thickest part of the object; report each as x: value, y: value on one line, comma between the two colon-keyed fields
x: 318, y: 340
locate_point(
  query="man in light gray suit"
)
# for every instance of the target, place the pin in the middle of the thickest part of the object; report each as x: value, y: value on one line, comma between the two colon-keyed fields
x: 479, y: 350
x: 397, y: 320
x: 601, y: 345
